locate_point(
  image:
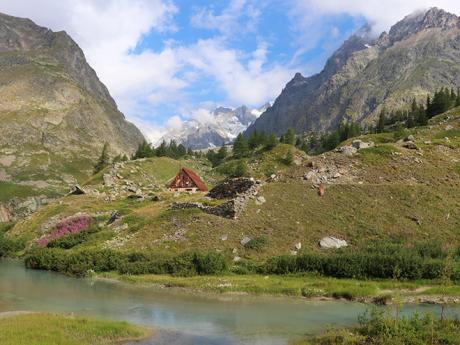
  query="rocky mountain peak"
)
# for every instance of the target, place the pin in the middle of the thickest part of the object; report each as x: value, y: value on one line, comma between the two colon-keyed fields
x: 423, y: 20
x: 417, y: 56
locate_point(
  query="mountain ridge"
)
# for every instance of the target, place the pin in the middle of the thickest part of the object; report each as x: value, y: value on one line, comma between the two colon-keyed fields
x: 417, y: 56
x: 222, y: 128
x: 56, y: 114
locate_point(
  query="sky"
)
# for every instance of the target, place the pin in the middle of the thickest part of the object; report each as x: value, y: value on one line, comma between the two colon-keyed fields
x: 166, y: 61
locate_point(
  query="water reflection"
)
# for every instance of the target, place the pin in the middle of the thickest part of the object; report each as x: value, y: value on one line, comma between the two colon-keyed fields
x: 199, y: 319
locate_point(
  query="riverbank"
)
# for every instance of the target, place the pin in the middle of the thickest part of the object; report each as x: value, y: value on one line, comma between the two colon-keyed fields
x: 25, y: 328
x: 302, y: 286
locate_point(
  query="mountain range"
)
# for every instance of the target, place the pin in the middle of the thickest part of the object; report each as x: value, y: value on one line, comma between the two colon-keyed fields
x: 221, y: 128
x: 419, y: 55
x: 55, y: 113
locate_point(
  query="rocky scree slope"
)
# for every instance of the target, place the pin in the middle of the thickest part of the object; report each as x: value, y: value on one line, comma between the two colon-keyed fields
x: 419, y: 55
x: 55, y: 113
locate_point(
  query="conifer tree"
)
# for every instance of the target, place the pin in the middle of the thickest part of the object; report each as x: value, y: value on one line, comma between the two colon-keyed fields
x: 240, y: 146
x: 381, y: 122
x: 241, y: 169
x: 289, y: 159
x: 103, y: 160
x: 272, y: 142
x: 289, y: 137
x: 254, y: 140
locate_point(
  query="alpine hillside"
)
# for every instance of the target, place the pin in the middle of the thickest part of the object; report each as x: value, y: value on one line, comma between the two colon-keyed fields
x: 419, y: 55
x: 55, y: 113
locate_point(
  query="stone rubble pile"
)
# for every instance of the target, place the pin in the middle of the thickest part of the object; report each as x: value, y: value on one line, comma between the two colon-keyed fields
x: 241, y: 190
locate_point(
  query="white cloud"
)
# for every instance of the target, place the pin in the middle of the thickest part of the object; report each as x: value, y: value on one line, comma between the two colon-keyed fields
x: 246, y: 79
x: 203, y: 116
x: 174, y: 123
x: 381, y: 14
x: 239, y: 16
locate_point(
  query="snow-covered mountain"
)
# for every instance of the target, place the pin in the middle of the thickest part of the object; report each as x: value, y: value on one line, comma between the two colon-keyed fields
x: 220, y: 128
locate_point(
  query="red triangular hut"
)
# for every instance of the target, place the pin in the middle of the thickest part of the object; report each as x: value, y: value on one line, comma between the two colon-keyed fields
x: 187, y: 180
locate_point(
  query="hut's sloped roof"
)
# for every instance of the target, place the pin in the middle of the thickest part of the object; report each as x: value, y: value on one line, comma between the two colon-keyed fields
x: 195, y: 178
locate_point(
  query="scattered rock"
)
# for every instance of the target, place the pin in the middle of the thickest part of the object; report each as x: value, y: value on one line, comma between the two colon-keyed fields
x: 359, y: 144
x: 332, y: 243
x: 347, y: 150
x: 108, y: 180
x: 5, y: 214
x: 260, y: 200
x: 321, y: 190
x: 245, y: 241
x: 410, y: 145
x: 293, y: 252
x: 236, y: 259
x: 77, y: 190
x: 409, y: 138
x: 298, y: 246
x: 114, y: 216
x: 223, y: 238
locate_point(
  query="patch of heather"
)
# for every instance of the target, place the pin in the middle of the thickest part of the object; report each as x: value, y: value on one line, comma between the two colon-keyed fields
x: 72, y: 225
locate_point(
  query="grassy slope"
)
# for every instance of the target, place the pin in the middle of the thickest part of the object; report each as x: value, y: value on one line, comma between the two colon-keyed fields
x: 388, y: 191
x: 39, y: 329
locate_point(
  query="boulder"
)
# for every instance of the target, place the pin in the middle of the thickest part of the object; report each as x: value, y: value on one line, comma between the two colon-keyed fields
x: 347, y: 150
x: 5, y: 214
x: 223, y: 238
x: 298, y: 246
x: 260, y: 200
x: 245, y: 240
x: 108, y: 180
x: 410, y: 138
x: 332, y: 243
x: 410, y: 145
x: 77, y: 190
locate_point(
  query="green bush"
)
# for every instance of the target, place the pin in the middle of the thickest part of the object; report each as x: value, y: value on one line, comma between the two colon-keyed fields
x: 385, y: 262
x: 257, y: 243
x: 9, y: 246
x: 72, y: 240
x: 78, y: 263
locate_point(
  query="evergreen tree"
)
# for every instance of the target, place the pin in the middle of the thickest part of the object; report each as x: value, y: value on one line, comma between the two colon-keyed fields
x: 298, y: 142
x: 381, y: 122
x: 144, y: 150
x: 103, y: 160
x: 190, y: 152
x: 289, y: 137
x: 272, y: 142
x: 222, y: 153
x: 289, y: 159
x: 241, y: 169
x: 162, y: 150
x: 254, y: 140
x: 240, y: 146
x: 262, y: 139
x: 181, y: 151
x: 457, y: 100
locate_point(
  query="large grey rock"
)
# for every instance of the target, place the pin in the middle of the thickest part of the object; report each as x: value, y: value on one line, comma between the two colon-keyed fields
x: 332, y: 243
x: 5, y: 214
x: 347, y: 150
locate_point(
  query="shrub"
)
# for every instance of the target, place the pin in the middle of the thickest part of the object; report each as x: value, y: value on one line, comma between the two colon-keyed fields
x: 68, y: 226
x: 71, y: 240
x: 78, y: 263
x: 257, y: 243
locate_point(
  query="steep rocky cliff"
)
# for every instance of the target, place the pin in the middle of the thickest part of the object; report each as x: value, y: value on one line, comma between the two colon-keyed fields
x: 55, y: 113
x: 418, y: 55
